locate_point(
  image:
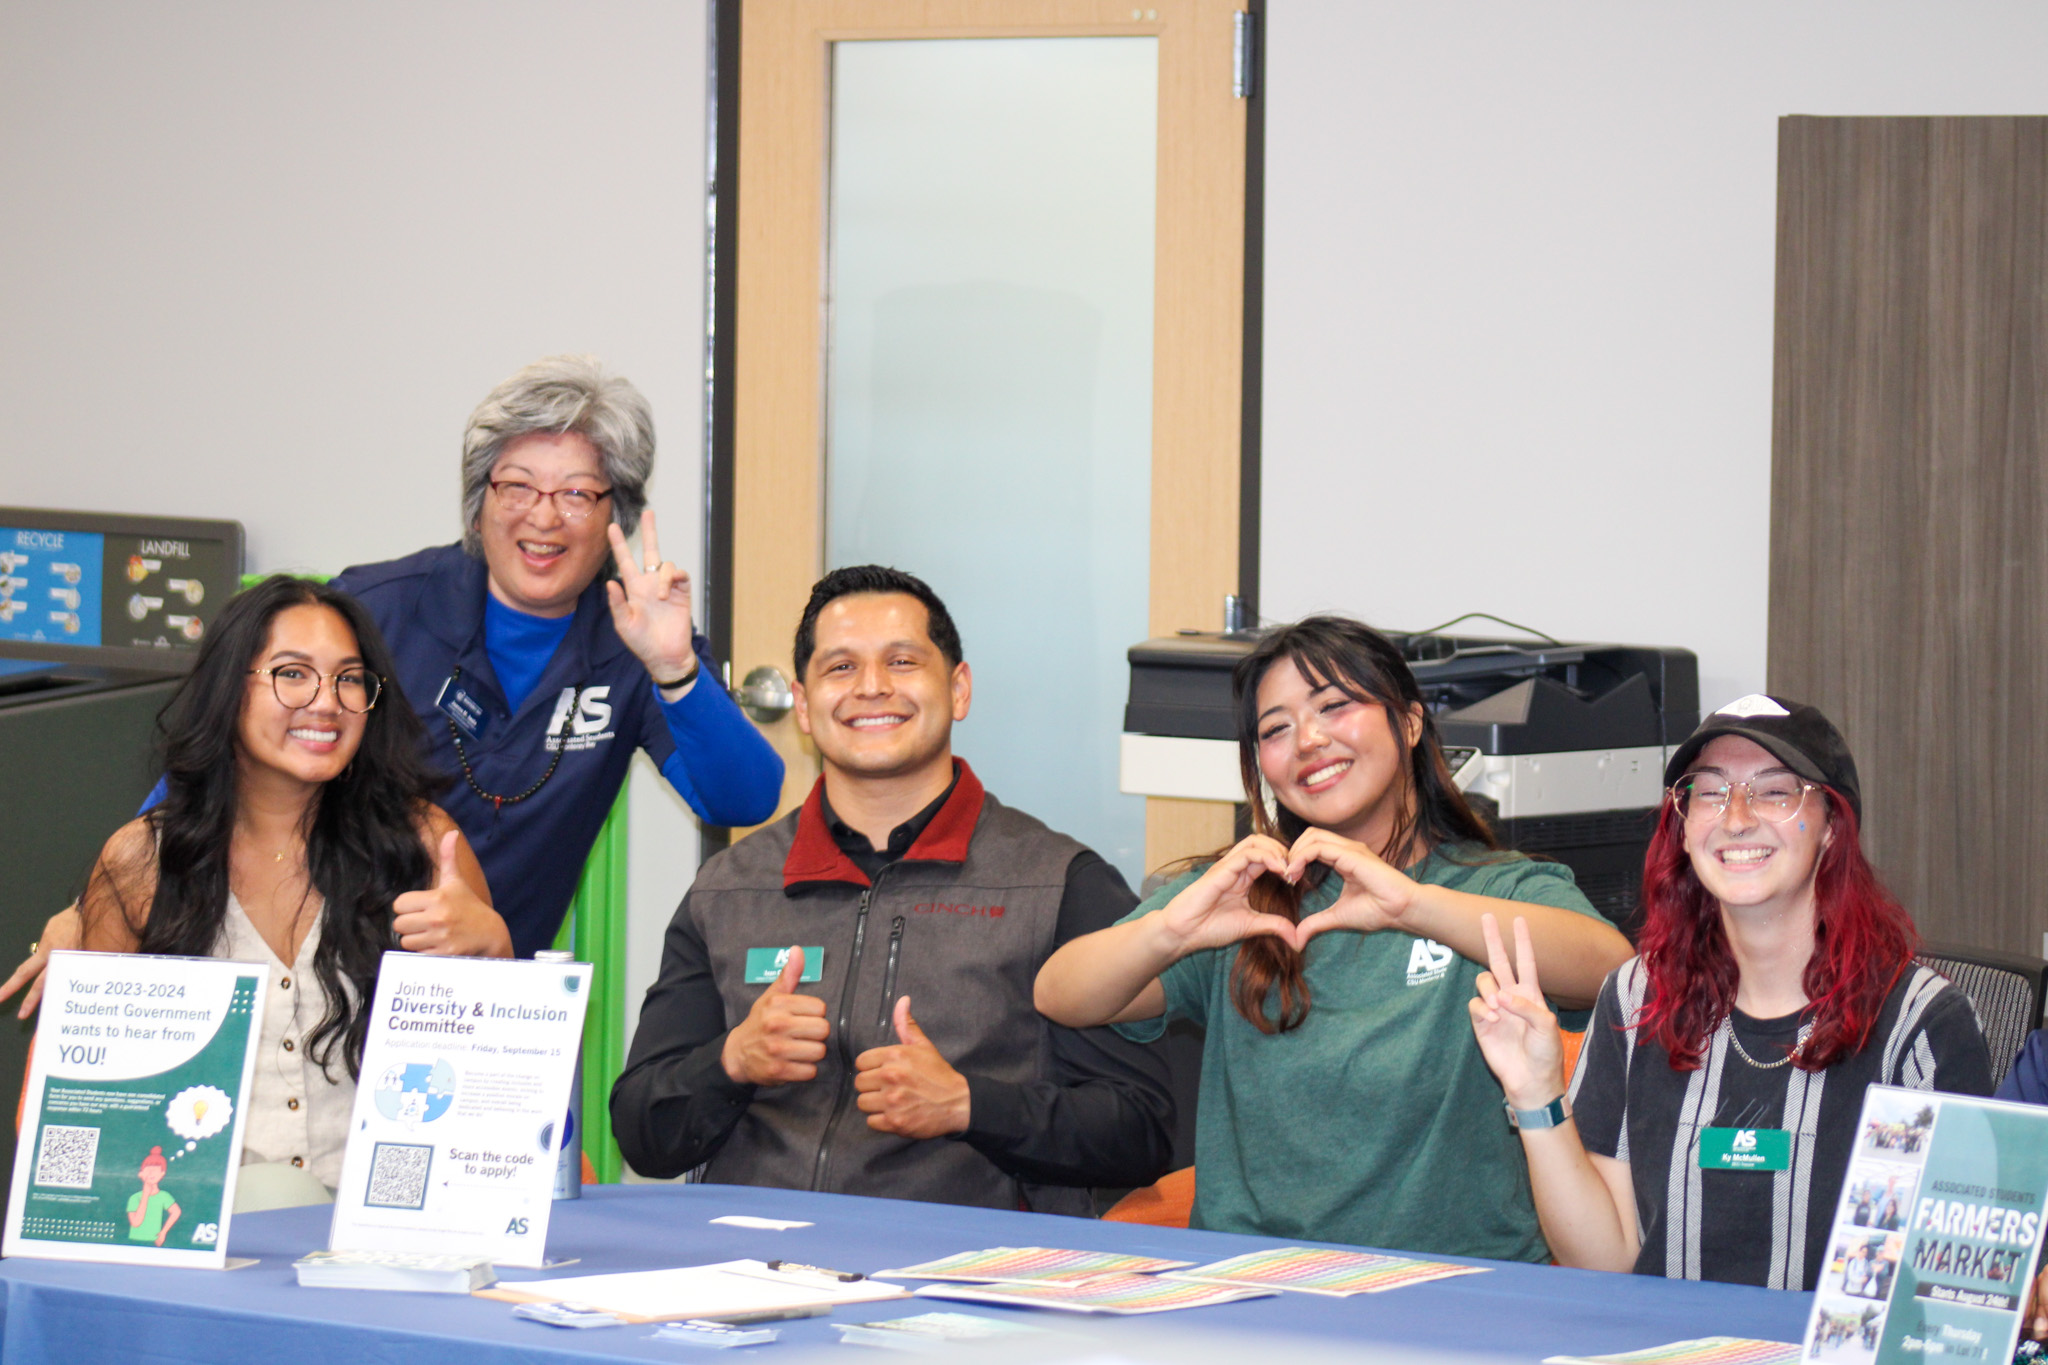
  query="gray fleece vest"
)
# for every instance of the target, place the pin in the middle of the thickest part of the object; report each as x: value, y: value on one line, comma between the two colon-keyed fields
x: 964, y: 939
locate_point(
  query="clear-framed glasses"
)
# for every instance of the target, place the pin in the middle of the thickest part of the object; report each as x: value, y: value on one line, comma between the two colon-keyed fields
x: 573, y: 504
x: 298, y: 685
x: 1776, y: 798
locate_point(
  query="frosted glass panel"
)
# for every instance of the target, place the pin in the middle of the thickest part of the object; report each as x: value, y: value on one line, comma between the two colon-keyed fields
x: 989, y: 402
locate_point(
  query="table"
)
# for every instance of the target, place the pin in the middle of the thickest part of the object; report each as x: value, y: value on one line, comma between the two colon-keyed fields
x: 70, y: 1312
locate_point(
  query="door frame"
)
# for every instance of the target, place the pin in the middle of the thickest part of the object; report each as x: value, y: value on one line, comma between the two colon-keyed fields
x: 1174, y: 828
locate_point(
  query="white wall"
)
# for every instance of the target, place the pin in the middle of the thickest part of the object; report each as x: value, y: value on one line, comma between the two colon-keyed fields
x: 259, y: 261
x: 1519, y: 294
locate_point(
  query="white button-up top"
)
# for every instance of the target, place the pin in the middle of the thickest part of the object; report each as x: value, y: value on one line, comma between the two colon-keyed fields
x: 298, y: 1113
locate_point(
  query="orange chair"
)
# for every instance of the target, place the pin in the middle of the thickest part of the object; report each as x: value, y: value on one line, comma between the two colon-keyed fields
x: 1166, y: 1203
x: 1572, y: 1043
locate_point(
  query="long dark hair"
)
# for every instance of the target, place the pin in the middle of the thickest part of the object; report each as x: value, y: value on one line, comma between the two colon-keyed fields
x: 1365, y: 666
x: 1862, y: 940
x: 362, y: 831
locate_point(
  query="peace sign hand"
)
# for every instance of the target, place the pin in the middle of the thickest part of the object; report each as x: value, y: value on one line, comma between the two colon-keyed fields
x: 1517, y: 1033
x: 651, y: 605
x: 1215, y: 908
x: 1374, y: 896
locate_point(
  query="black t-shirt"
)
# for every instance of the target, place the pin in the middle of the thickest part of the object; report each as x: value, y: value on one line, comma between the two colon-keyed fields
x: 1754, y: 1227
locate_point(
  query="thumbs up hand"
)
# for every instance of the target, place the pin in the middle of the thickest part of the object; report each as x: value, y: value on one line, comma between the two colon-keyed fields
x: 782, y: 1039
x: 454, y: 917
x: 909, y: 1089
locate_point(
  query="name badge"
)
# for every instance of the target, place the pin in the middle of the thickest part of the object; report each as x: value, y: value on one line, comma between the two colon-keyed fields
x: 1745, y: 1149
x: 765, y: 964
x: 466, y: 711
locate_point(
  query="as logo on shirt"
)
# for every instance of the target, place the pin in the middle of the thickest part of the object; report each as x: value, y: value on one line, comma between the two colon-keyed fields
x: 1428, y: 961
x: 592, y: 723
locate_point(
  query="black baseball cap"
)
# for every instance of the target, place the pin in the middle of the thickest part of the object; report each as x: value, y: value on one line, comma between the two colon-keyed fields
x: 1796, y: 734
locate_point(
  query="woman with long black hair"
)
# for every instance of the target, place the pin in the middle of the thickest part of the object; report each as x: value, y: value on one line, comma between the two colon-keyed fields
x: 1776, y: 981
x: 1329, y: 956
x: 297, y: 829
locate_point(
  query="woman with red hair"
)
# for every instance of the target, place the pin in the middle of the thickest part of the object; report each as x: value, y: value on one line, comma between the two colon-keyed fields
x: 1774, y: 981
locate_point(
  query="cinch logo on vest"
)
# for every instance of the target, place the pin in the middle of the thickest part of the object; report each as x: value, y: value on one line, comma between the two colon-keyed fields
x: 950, y: 908
x: 593, y: 715
x: 1428, y: 960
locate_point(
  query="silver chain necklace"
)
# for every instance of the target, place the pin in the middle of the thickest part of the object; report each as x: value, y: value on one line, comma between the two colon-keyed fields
x: 1785, y: 1060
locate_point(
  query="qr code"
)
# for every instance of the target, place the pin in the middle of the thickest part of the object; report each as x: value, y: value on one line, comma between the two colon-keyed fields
x: 66, y: 1157
x: 398, y: 1176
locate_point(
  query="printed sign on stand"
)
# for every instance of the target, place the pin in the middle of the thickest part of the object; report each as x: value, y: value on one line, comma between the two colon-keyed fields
x: 458, y: 1114
x: 132, y: 1120
x: 1937, y: 1235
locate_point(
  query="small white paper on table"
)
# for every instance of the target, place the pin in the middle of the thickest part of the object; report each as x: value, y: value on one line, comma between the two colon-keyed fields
x: 747, y: 1220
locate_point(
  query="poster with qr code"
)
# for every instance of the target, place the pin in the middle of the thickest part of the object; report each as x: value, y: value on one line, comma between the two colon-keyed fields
x: 132, y: 1119
x: 460, y: 1115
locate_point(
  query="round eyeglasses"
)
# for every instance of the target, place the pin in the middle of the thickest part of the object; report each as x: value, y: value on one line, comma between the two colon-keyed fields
x: 1776, y: 799
x: 298, y: 686
x: 571, y: 504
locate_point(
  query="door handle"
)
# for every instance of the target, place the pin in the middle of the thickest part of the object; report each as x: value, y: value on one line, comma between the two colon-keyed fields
x: 764, y: 695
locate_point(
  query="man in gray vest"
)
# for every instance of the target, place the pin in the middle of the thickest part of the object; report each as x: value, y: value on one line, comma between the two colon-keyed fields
x: 780, y: 1045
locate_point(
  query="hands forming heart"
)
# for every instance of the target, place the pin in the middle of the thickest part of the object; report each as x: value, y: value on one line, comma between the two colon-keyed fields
x: 1216, y: 908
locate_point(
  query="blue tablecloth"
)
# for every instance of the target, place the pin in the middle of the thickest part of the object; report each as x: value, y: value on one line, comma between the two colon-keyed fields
x: 69, y: 1312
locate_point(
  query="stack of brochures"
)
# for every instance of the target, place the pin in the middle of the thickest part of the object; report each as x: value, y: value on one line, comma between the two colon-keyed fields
x: 406, y: 1271
x: 1699, y: 1351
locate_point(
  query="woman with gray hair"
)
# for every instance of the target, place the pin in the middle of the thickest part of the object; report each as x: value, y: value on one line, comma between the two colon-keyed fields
x: 537, y: 675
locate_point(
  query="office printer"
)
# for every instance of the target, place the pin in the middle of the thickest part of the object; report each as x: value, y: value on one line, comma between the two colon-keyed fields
x: 1561, y: 746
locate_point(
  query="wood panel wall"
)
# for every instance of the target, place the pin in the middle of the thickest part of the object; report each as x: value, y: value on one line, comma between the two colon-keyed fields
x: 1909, y: 483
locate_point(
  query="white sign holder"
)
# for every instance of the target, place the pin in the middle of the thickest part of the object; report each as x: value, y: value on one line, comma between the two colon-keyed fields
x: 459, y: 1113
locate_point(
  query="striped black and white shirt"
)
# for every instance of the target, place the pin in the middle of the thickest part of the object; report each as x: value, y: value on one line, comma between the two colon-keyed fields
x: 1763, y: 1228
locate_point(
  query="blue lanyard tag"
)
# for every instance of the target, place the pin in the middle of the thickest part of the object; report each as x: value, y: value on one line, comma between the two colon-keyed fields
x: 465, y: 711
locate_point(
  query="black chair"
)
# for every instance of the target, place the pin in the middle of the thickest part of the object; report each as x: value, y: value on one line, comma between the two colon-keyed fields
x: 2008, y: 990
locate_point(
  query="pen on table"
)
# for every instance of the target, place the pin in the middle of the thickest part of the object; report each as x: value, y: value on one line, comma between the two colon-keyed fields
x: 843, y: 1276
x: 760, y: 1315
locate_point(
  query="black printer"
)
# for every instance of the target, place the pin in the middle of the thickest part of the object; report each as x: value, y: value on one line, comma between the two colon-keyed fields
x: 1562, y: 746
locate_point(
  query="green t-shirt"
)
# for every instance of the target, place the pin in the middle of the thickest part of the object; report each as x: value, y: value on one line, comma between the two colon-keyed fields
x: 1376, y: 1122
x: 152, y: 1217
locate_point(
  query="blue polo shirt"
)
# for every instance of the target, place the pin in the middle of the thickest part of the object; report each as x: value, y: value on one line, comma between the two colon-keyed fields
x: 431, y: 608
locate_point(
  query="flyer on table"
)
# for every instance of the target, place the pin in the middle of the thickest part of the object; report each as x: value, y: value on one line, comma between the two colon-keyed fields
x: 459, y: 1112
x: 1935, y: 1241
x: 131, y: 1130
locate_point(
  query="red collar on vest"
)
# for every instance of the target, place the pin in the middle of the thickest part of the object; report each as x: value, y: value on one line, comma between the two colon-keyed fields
x: 814, y: 857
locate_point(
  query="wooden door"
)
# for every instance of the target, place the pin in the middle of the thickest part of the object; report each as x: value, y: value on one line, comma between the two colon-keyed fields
x: 1909, y: 495
x: 778, y: 304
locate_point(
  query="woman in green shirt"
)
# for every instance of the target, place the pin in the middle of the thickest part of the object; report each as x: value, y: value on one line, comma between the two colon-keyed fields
x: 1329, y: 956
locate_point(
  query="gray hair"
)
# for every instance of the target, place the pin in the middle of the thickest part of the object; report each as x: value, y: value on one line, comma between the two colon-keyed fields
x: 562, y: 393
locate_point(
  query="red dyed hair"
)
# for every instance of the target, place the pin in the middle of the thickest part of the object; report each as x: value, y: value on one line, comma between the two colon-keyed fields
x: 1862, y: 940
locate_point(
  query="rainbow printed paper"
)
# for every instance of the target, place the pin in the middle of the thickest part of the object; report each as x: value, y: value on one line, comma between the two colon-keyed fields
x: 1116, y: 1294
x: 1031, y: 1265
x: 1309, y: 1270
x: 1701, y: 1351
